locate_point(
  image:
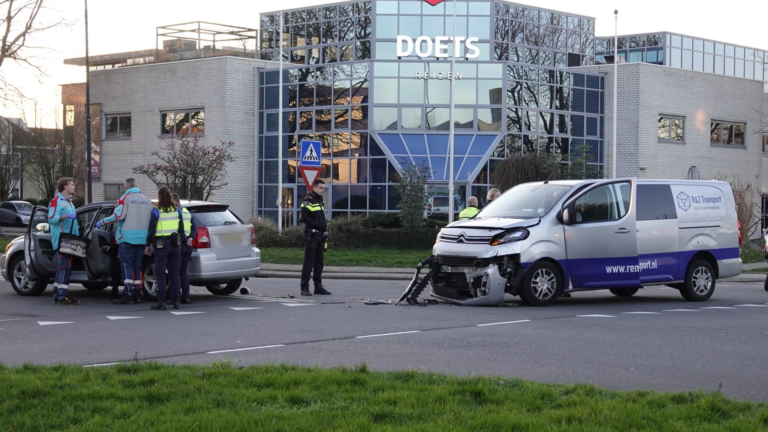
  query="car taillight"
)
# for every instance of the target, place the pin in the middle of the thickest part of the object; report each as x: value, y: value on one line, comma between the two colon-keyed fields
x: 739, y: 226
x: 253, y: 236
x: 202, y: 239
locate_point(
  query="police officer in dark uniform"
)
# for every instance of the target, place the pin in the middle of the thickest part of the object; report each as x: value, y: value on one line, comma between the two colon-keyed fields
x: 315, y: 236
x: 164, y: 236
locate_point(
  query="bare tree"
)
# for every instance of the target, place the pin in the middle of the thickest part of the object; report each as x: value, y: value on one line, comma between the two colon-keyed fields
x: 10, y: 158
x: 19, y: 22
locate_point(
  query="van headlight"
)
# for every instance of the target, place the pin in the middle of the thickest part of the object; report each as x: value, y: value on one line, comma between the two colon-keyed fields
x: 437, y: 240
x: 509, y: 237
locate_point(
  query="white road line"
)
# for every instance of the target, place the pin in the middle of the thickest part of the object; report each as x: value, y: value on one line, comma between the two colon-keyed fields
x: 388, y: 334
x: 187, y: 313
x: 681, y: 310
x: 244, y: 308
x: 595, y: 316
x: 296, y: 304
x: 113, y: 318
x: 101, y: 365
x: 15, y: 319
x: 641, y: 313
x: 47, y: 323
x: 244, y: 349
x: 752, y: 305
x: 718, y: 307
x: 502, y: 323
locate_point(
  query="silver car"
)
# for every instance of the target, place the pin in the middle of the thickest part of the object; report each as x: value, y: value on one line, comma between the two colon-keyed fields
x: 224, y: 253
x: 15, y: 212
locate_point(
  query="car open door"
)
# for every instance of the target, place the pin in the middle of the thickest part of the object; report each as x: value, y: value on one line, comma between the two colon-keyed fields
x: 97, y: 263
x: 601, y: 236
x: 38, y: 248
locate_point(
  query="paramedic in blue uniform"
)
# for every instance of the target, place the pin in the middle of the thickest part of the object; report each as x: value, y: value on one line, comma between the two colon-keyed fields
x: 163, y: 236
x: 62, y: 217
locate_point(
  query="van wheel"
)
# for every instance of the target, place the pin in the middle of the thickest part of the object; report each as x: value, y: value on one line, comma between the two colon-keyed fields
x: 149, y: 287
x: 699, y: 282
x: 224, y: 289
x: 624, y: 292
x: 542, y: 285
x: 19, y: 281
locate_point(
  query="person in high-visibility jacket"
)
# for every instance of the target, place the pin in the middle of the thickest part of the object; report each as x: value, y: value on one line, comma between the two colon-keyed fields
x: 164, y: 235
x: 190, y: 232
x: 471, y: 210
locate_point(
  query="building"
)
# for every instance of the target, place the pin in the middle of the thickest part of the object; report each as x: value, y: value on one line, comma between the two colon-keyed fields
x: 372, y: 82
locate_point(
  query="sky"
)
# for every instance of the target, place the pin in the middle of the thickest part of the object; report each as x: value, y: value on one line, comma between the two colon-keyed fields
x: 118, y: 26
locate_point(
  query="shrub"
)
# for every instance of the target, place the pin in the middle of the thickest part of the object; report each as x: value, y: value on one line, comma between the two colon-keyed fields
x: 267, y: 235
x: 383, y: 220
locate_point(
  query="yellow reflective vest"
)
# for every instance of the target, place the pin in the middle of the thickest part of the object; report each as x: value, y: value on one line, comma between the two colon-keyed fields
x: 167, y: 223
x: 186, y: 217
x: 468, y: 213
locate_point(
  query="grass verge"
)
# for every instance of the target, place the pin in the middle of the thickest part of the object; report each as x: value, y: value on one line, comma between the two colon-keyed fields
x: 221, y: 396
x: 349, y: 257
x: 751, y: 256
x: 4, y: 242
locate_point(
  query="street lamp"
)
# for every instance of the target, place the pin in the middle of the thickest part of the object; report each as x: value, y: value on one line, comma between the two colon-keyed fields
x: 615, y: 87
x: 87, y: 112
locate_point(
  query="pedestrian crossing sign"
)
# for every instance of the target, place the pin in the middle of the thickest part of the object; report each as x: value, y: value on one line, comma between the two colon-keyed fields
x: 310, y: 153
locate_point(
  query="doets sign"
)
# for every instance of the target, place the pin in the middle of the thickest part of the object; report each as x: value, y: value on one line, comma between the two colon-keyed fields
x: 424, y: 46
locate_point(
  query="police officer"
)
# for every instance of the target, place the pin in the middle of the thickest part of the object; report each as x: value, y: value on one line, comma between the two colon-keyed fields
x: 62, y: 217
x: 471, y: 210
x: 315, y: 236
x: 132, y: 215
x: 163, y: 234
x: 190, y: 232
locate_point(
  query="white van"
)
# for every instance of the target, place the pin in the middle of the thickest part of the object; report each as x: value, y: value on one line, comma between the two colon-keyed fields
x: 538, y: 240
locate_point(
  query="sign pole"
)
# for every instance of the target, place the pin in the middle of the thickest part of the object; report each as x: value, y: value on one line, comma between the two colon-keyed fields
x: 615, y: 88
x: 88, y: 149
x: 280, y: 136
x: 450, y: 118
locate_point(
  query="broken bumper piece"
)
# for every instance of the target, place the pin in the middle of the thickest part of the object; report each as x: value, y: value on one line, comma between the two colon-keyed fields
x: 469, y: 287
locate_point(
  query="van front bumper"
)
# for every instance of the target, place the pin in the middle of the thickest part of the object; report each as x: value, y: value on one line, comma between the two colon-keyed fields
x: 469, y: 286
x: 205, y: 267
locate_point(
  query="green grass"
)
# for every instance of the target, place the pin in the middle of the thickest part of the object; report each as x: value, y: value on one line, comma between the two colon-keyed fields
x: 4, y: 242
x: 753, y: 255
x: 221, y: 396
x: 349, y: 257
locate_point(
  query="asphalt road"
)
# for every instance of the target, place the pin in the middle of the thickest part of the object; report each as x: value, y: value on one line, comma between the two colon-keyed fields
x: 655, y: 340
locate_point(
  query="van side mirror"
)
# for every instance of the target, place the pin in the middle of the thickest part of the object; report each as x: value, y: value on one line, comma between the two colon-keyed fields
x: 566, y: 217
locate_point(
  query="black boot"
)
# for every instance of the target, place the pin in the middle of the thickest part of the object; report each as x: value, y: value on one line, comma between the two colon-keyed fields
x: 160, y: 305
x: 319, y: 290
x: 305, y: 291
x: 176, y: 304
x: 137, y: 298
x: 125, y: 299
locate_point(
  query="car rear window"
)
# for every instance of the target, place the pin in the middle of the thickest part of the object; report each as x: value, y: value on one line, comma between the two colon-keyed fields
x: 209, y: 216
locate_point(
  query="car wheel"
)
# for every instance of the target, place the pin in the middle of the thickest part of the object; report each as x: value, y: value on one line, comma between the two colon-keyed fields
x: 18, y: 222
x: 624, y: 292
x: 19, y: 281
x: 225, y: 289
x: 94, y: 286
x: 765, y: 286
x: 148, y: 279
x: 542, y: 285
x: 699, y: 282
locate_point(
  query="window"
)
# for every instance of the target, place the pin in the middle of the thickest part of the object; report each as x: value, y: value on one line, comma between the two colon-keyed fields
x: 671, y: 129
x: 605, y: 203
x: 119, y: 126
x: 69, y: 119
x: 182, y: 122
x: 726, y: 133
x: 655, y: 202
x: 112, y: 192
x: 765, y: 143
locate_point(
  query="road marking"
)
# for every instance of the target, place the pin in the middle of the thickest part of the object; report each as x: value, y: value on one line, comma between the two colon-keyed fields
x: 640, y: 313
x: 47, y: 323
x: 101, y: 365
x: 122, y: 317
x: 752, y: 305
x: 296, y: 304
x: 502, y: 323
x: 244, y: 308
x: 245, y: 349
x: 681, y: 310
x: 718, y: 307
x: 387, y: 334
x: 595, y: 316
x: 187, y: 313
x: 14, y: 319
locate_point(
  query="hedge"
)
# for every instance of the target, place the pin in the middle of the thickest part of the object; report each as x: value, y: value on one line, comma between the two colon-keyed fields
x: 352, y: 233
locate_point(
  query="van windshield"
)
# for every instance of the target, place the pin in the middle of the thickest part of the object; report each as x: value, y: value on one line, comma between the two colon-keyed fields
x: 525, y: 201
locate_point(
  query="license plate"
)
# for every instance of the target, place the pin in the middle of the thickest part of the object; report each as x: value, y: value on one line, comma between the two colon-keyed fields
x: 231, y: 238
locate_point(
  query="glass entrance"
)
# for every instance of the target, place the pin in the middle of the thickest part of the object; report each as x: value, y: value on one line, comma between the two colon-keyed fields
x: 438, y: 204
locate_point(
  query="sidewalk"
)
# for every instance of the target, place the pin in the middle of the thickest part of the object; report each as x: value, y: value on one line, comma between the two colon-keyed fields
x: 378, y: 273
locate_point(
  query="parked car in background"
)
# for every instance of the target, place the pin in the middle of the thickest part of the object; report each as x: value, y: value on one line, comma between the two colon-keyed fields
x: 224, y: 253
x: 15, y: 212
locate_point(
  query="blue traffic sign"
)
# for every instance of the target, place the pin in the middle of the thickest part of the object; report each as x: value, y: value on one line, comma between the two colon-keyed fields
x: 310, y: 153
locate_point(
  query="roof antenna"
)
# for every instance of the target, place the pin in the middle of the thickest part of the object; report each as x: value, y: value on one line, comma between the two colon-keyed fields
x: 550, y: 175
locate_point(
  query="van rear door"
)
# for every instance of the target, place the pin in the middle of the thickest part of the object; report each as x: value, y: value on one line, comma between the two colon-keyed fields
x: 601, y: 236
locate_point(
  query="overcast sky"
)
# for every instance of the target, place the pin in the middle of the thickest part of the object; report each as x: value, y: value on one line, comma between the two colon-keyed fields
x: 117, y: 26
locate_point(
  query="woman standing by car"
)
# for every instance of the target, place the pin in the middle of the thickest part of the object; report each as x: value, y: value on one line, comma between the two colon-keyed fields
x: 164, y: 237
x: 62, y: 218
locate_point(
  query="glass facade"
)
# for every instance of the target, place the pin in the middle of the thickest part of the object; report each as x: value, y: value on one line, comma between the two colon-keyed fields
x: 684, y: 52
x: 376, y: 105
